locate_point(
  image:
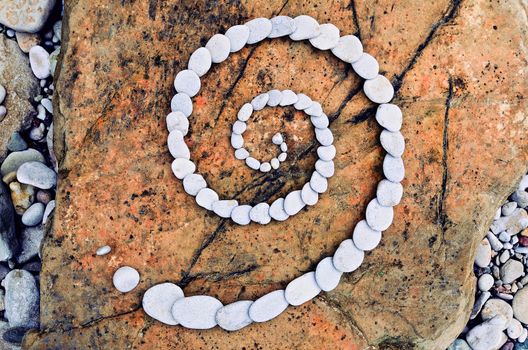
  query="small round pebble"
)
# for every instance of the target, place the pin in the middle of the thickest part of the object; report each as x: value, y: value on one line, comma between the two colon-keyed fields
x: 125, y: 279
x: 318, y: 183
x: 268, y: 306
x: 158, y: 300
x: 235, y: 316
x: 308, y: 195
x: 326, y: 275
x: 240, y: 214
x: 348, y: 49
x: 182, y: 102
x: 284, y: 147
x: 196, y: 312
x: 293, y: 203
x: 260, y: 214
x: 389, y: 193
x: 378, y: 216
x: 347, y: 257
x: 259, y: 29
x: 39, y: 62
x: 277, y: 139
x: 260, y: 101
x: 3, y: 93
x: 245, y: 112
x: 277, y: 211
x: 33, y: 215
x: 239, y: 127
x: 281, y: 26
x: 306, y: 27
x: 275, y: 163
x: 325, y: 168
x: 224, y: 208
x: 328, y: 37
x: 303, y: 102
x: 238, y: 36
x: 302, y: 289
x: 200, y: 61
x: 275, y: 96
x: 393, y: 168
x: 178, y: 121
x: 241, y: 153
x: 219, y: 46
x: 288, y: 98
x: 252, y: 163
x: 206, y: 197
x: 103, y: 250
x: 364, y: 237
x: 320, y: 122
x: 315, y: 109
x: 389, y: 116
x: 36, y: 174
x: 187, y: 82
x: 378, y: 89
x: 392, y: 142
x: 366, y: 66
x: 324, y: 136
x: 177, y: 146
x: 326, y: 152
x: 265, y: 167
x: 282, y: 157
x: 237, y: 141
x: 193, y: 183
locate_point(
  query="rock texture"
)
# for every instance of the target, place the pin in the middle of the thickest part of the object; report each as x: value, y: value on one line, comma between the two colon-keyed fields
x: 459, y: 70
x: 21, y: 86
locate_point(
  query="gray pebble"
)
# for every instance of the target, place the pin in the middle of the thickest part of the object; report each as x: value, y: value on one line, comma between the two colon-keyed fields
x: 393, y: 168
x: 3, y: 93
x: 33, y: 215
x: 520, y: 305
x: 326, y: 275
x: 177, y: 146
x: 481, y: 300
x: 504, y: 237
x: 158, y: 300
x: 366, y: 66
x: 321, y: 122
x: 238, y: 36
x: 245, y: 112
x: 224, y: 208
x: 182, y: 167
x: 500, y: 311
x: 348, y: 49
x: 378, y: 216
x: 348, y: 257
x: 16, y: 143
x: 504, y: 256
x: 3, y: 112
x: 496, y: 245
x: 288, y: 98
x: 21, y: 299
x: 324, y: 136
x: 306, y: 27
x: 241, y: 153
x: 260, y: 214
x: 206, y: 197
x: 389, y: 116
x: 325, y: 168
x: 187, y: 82
x: 200, y: 61
x: 308, y: 195
x: 193, y: 183
x: 485, y: 336
x: 483, y: 254
x: 125, y: 279
x: 14, y: 160
x: 485, y: 282
x: 178, y: 121
x: 259, y: 29
x: 281, y: 26
x: 219, y: 46
x: 268, y: 306
x: 237, y: 141
x: 30, y: 243
x: 328, y: 37
x: 240, y: 214
x: 239, y: 127
x: 392, y: 142
x: 103, y: 250
x: 277, y: 211
x: 389, y: 193
x: 364, y: 237
x: 326, y: 152
x: 196, y: 312
x: 378, y: 89
x: 260, y: 101
x: 302, y: 289
x: 318, y: 183
x: 293, y: 203
x: 252, y: 163
x: 36, y: 174
x: 511, y: 271
x: 235, y: 316
x: 508, y: 208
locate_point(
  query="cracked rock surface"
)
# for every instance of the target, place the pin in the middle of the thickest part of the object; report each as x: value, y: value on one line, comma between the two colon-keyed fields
x: 459, y: 73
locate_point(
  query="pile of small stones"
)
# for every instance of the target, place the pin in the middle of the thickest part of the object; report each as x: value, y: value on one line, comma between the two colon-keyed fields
x: 499, y: 319
x: 28, y: 173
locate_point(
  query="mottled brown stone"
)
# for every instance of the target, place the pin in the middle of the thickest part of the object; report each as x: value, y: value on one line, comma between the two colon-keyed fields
x: 459, y: 70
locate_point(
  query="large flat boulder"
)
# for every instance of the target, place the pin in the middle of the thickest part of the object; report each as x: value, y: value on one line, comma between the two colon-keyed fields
x: 460, y: 72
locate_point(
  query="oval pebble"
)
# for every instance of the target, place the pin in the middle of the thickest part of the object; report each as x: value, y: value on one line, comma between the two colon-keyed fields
x: 265, y: 167
x: 281, y: 26
x: 237, y: 141
x: 241, y: 153
x: 103, y: 250
x: 315, y: 109
x: 219, y: 47
x: 158, y: 300
x: 196, y: 312
x: 239, y: 127
x: 275, y: 96
x: 15, y: 159
x: 326, y: 152
x: 328, y: 37
x: 277, y: 139
x: 259, y: 29
x: 36, y: 174
x: 183, y: 103
x: 308, y: 195
x: 389, y: 193
x: 178, y: 121
x: 288, y: 98
x: 277, y: 211
x: 235, y: 316
x: 378, y: 89
x: 260, y: 101
x: 348, y: 49
x: 125, y: 279
x: 268, y: 306
x: 284, y: 147
x: 282, y: 156
x: 260, y: 214
x: 39, y: 60
x: 321, y: 122
x: 326, y: 275
x: 318, y: 183
x: 364, y: 237
x: 3, y: 93
x: 200, y: 61
x: 325, y: 168
x: 274, y: 162
x: 177, y: 146
x: 366, y: 66
x: 347, y: 257
x: 33, y: 215
x: 245, y: 112
x: 182, y: 167
x: 206, y: 197
x: 378, y: 216
x: 240, y: 214
x: 187, y: 82
x: 193, y: 183
x: 238, y: 36
x: 302, y: 289
x: 389, y: 116
x: 392, y: 142
x: 393, y: 168
x: 224, y: 208
x: 324, y: 136
x: 293, y: 203
x: 303, y: 102
x: 252, y: 163
x: 306, y: 27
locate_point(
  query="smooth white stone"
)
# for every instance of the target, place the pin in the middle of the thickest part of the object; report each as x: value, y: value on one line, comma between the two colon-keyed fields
x: 293, y: 203
x: 302, y: 289
x: 277, y: 139
x: 268, y: 306
x: 364, y: 237
x: 158, y: 300
x: 306, y: 27
x: 183, y: 103
x: 378, y: 89
x: 275, y: 96
x: 282, y: 156
x: 3, y: 93
x: 277, y: 211
x: 308, y: 195
x: 318, y: 183
x: 237, y: 141
x: 177, y: 146
x: 275, y: 163
x: 379, y: 217
x: 324, y: 136
x: 485, y: 282
x: 193, y: 183
x: 348, y: 257
x: 239, y: 127
x: 103, y: 250
x: 321, y: 122
x: 125, y: 279
x: 260, y: 214
x: 235, y: 316
x: 326, y: 275
x: 514, y: 329
x: 281, y: 26
x: 284, y: 147
x: 187, y: 82
x: 46, y: 102
x: 303, y: 102
x: 288, y: 98
x: 182, y: 167
x: 260, y: 101
x: 36, y: 174
x: 33, y: 215
x: 241, y: 153
x: 348, y: 49
x: 206, y: 197
x: 240, y: 214
x: 252, y: 163
x: 328, y: 37
x: 389, y: 116
x: 389, y: 193
x: 238, y: 37
x: 265, y: 167
x: 200, y: 61
x: 259, y: 29
x: 39, y: 60
x: 224, y: 208
x: 326, y: 152
x: 325, y: 168
x: 50, y: 207
x: 366, y: 67
x: 219, y: 46
x: 393, y: 168
x: 392, y: 142
x: 196, y: 312
x: 245, y: 112
x: 315, y: 109
x: 178, y: 121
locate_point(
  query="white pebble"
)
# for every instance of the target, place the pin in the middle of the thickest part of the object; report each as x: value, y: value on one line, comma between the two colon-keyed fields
x: 392, y: 142
x: 308, y: 195
x: 348, y: 257
x: 268, y: 306
x: 241, y: 153
x: 306, y: 27
x: 324, y: 136
x: 277, y: 211
x: 275, y: 96
x: 325, y: 168
x: 3, y: 93
x: 193, y: 183
x: 348, y: 49
x: 326, y: 275
x: 240, y: 214
x: 302, y: 289
x: 275, y: 163
x: 50, y: 207
x: 303, y: 102
x: 364, y: 237
x: 366, y: 67
x: 260, y: 101
x: 36, y: 174
x: 125, y: 279
x: 239, y: 127
x: 196, y: 312
x: 238, y: 36
x: 318, y: 183
x: 259, y: 29
x: 206, y: 197
x: 252, y: 163
x: 514, y: 329
x: 219, y: 46
x: 103, y: 250
x: 182, y: 102
x: 245, y: 112
x: 284, y: 147
x: 187, y: 82
x: 177, y: 146
x: 237, y: 141
x: 265, y: 167
x: 281, y: 26
x: 178, y: 121
x: 158, y: 300
x: 235, y: 316
x: 389, y: 193
x: 288, y: 98
x: 200, y: 61
x: 277, y: 139
x: 224, y: 208
x: 39, y: 62
x: 321, y: 122
x: 326, y: 152
x: 378, y: 89
x: 389, y: 116
x: 379, y: 217
x: 293, y: 203
x: 33, y: 215
x: 393, y: 168
x: 485, y: 282
x: 328, y: 37
x: 260, y: 214
x: 46, y: 102
x: 181, y: 167
x: 282, y: 156
x: 315, y: 109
